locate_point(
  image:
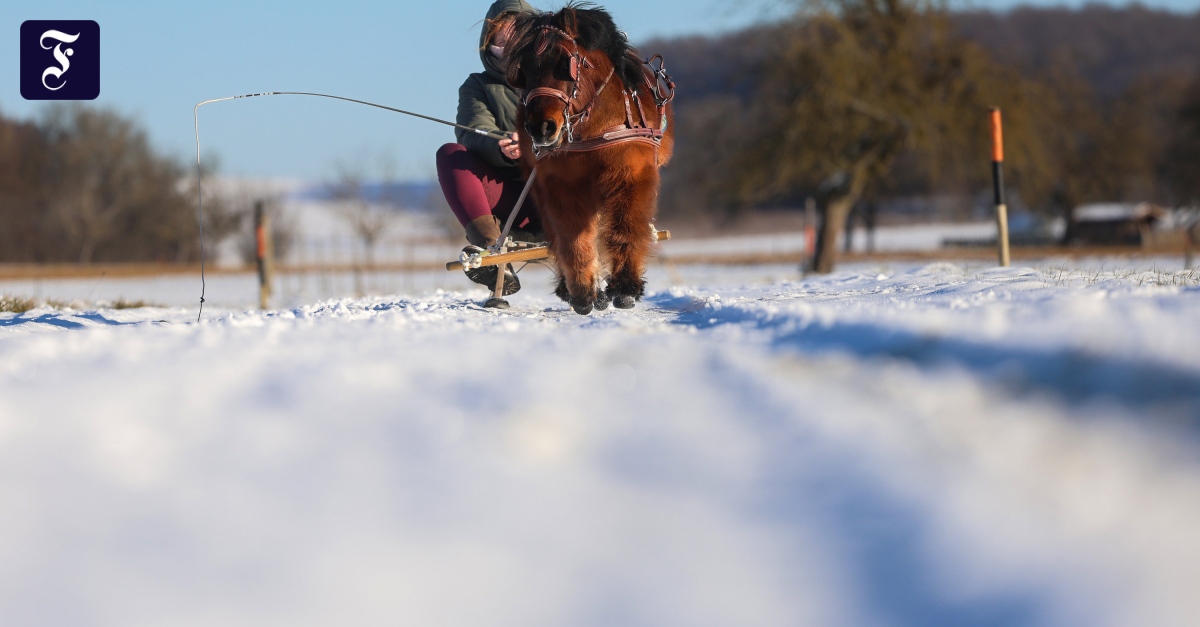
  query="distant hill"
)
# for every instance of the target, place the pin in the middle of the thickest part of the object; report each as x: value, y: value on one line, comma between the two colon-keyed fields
x: 1110, y: 47
x: 409, y: 195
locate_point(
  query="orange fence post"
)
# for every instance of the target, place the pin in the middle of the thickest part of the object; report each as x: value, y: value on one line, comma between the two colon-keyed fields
x: 998, y: 185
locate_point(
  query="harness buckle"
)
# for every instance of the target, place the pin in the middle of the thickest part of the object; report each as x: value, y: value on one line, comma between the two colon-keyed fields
x: 662, y: 85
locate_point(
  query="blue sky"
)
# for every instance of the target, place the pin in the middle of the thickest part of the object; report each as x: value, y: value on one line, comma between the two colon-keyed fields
x: 161, y: 58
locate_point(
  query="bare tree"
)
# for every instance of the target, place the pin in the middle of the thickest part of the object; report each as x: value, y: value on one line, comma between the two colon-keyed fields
x: 435, y: 205
x: 93, y: 154
x: 108, y: 179
x: 23, y: 161
x: 370, y: 215
x: 860, y: 83
x: 222, y: 218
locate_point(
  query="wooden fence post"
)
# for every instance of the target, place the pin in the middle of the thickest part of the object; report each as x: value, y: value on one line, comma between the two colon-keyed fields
x: 262, y: 237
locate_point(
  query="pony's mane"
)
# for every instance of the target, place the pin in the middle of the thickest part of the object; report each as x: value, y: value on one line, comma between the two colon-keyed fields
x: 596, y: 32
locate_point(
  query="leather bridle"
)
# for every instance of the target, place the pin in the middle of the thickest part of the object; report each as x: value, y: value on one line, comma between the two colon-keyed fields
x: 656, y: 79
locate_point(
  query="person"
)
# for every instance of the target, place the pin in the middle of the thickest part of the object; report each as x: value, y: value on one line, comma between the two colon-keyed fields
x: 479, y: 174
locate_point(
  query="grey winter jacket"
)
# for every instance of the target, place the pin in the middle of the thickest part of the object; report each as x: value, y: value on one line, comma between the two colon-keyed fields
x: 485, y: 100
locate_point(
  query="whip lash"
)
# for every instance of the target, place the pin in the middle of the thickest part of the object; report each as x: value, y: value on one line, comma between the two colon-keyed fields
x: 199, y: 193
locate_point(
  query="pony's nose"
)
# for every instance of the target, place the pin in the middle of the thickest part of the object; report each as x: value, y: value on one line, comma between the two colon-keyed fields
x: 545, y: 131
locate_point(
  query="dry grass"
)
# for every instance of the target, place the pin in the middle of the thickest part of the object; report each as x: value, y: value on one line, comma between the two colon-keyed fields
x: 1064, y: 276
x: 121, y: 303
x: 16, y: 304
x: 22, y: 304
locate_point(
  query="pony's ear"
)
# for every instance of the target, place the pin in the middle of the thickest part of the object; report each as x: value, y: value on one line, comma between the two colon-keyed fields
x: 570, y: 21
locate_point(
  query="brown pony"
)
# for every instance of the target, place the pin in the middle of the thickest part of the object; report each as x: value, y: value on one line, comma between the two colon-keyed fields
x: 597, y: 123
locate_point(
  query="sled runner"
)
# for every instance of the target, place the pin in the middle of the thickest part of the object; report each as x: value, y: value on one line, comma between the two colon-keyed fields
x: 517, y: 252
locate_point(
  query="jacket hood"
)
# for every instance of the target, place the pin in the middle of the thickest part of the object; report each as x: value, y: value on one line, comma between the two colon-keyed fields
x: 498, y: 7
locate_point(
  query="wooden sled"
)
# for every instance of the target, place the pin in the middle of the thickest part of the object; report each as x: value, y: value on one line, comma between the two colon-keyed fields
x: 523, y: 252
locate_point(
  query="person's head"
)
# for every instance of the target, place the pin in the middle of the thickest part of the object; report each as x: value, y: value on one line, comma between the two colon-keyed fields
x: 499, y: 29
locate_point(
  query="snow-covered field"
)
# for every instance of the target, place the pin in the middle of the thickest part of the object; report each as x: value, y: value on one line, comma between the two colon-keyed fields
x: 905, y: 445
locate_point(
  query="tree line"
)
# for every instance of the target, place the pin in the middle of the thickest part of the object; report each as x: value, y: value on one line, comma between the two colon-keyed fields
x: 81, y: 184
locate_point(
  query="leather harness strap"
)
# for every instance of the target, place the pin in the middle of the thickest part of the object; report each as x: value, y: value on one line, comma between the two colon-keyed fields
x: 657, y: 81
x: 546, y: 91
x: 615, y: 135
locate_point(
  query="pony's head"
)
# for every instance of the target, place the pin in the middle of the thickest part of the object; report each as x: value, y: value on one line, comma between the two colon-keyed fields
x: 561, y: 60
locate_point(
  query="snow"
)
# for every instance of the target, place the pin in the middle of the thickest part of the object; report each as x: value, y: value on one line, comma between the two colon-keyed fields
x: 888, y: 445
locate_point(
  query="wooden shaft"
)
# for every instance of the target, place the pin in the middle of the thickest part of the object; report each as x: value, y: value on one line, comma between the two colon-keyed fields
x: 512, y: 217
x: 527, y: 254
x: 498, y: 288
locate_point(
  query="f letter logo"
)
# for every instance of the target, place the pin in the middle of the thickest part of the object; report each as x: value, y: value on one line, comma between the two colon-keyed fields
x: 60, y: 60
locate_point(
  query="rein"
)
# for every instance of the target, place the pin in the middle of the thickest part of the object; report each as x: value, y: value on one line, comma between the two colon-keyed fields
x: 661, y: 87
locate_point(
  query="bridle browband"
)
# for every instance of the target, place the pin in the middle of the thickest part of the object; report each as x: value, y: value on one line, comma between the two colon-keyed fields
x: 659, y: 82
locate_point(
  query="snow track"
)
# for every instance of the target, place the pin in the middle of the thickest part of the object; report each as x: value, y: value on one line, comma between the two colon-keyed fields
x: 924, y: 447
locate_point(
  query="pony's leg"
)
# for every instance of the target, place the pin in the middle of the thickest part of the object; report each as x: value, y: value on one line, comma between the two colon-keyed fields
x: 628, y: 238
x: 548, y: 223
x: 575, y: 252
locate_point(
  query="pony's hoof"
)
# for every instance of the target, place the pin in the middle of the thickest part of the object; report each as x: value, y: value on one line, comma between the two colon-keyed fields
x: 624, y: 301
x: 602, y: 301
x: 496, y: 303
x: 581, y: 306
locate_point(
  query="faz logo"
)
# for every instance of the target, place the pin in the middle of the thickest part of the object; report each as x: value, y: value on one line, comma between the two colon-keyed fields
x: 60, y: 60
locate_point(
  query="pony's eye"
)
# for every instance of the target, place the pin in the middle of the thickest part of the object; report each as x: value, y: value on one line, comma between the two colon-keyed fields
x: 562, y: 70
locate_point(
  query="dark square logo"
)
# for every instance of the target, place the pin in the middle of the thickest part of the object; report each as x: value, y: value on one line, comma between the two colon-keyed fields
x: 60, y: 60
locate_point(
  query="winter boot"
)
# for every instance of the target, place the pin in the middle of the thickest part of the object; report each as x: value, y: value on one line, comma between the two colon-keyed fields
x: 486, y: 275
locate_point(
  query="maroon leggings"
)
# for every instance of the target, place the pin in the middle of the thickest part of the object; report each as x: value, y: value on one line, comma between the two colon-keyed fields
x: 473, y: 188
